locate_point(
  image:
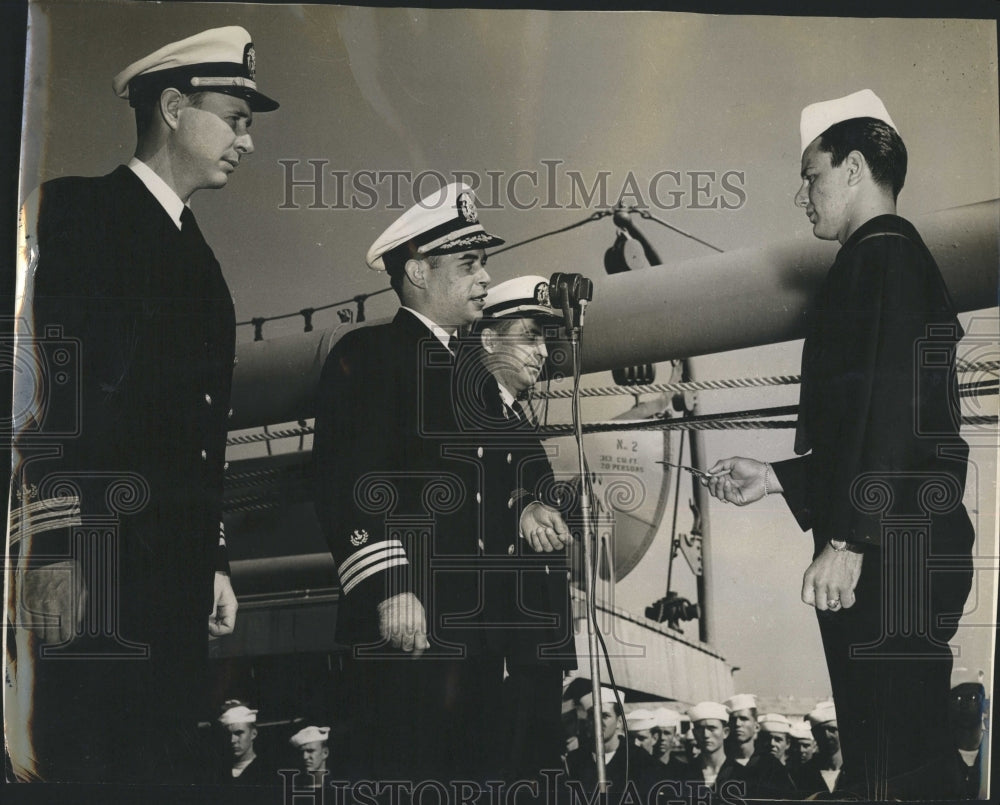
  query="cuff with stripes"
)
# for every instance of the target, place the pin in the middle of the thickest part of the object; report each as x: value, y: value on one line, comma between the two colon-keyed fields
x: 221, y: 551
x: 376, y: 557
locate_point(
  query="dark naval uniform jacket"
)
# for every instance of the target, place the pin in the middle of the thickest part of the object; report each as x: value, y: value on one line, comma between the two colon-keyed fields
x: 631, y: 773
x: 882, y: 465
x: 417, y: 493
x: 135, y: 326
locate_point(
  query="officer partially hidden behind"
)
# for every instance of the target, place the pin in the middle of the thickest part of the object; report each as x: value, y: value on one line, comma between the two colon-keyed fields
x: 527, y: 613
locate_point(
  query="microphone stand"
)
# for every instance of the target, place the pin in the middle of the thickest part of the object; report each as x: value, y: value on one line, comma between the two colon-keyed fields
x: 574, y: 326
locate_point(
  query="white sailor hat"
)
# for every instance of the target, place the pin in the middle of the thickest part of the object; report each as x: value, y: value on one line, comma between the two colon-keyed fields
x: 961, y: 675
x: 309, y: 735
x: 640, y: 719
x: 775, y: 723
x: 218, y: 60
x: 238, y: 714
x: 801, y: 729
x: 706, y: 710
x: 742, y: 701
x: 665, y: 717
x: 608, y: 699
x: 522, y: 297
x: 818, y: 117
x: 442, y: 223
x: 822, y: 713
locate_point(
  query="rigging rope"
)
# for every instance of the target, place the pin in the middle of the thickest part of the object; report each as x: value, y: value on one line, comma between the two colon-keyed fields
x: 734, y: 383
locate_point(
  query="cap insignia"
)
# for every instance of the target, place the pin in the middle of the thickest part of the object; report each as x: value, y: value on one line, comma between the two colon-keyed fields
x: 542, y: 294
x: 250, y: 61
x: 467, y: 208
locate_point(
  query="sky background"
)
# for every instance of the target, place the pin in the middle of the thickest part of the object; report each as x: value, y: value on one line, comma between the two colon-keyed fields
x: 480, y: 91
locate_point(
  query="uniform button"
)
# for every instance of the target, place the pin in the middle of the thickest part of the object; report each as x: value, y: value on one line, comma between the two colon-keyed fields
x: 230, y: 414
x: 481, y: 546
x: 236, y: 359
x: 510, y: 458
x: 479, y: 452
x: 208, y: 399
x: 225, y: 466
x: 510, y: 503
x: 204, y: 455
x: 479, y: 498
x: 510, y: 550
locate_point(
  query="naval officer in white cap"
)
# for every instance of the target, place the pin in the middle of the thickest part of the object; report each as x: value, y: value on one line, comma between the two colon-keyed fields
x: 525, y: 598
x: 878, y: 429
x: 117, y: 265
x: 401, y: 506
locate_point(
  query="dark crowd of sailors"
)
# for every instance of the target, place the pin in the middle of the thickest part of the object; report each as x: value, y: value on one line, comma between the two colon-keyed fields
x: 651, y: 752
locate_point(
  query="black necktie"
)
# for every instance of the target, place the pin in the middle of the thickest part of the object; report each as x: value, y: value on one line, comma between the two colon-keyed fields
x: 188, y: 224
x: 520, y: 413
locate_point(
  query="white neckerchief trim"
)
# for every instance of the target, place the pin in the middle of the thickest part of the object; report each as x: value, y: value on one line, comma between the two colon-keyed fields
x: 439, y: 332
x: 161, y: 191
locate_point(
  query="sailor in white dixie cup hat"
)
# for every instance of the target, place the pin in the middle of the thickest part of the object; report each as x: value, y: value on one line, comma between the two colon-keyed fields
x: 124, y: 270
x: 710, y: 725
x: 668, y: 724
x: 802, y: 745
x: 874, y: 413
x: 621, y: 755
x: 824, y: 772
x: 312, y: 745
x: 774, y: 734
x: 238, y: 725
x: 743, y: 726
x: 641, y: 725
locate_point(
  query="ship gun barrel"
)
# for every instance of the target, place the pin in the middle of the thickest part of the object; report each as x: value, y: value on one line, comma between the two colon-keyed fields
x: 737, y: 299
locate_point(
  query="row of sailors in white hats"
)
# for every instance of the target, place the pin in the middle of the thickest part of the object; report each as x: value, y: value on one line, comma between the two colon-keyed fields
x: 238, y: 725
x: 808, y: 749
x: 676, y: 739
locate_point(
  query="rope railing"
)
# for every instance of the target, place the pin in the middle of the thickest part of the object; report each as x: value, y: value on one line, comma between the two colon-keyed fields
x: 735, y: 420
x: 251, y: 438
x: 733, y: 383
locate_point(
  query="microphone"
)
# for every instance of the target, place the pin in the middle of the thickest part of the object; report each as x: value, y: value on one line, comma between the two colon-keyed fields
x: 571, y: 292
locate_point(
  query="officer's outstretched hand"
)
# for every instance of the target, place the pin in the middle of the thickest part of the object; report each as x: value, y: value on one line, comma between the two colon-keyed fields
x: 402, y: 621
x: 222, y: 621
x: 740, y: 480
x: 544, y: 528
